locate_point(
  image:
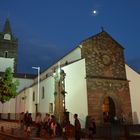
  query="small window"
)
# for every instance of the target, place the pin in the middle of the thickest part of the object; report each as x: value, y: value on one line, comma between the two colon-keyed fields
x: 43, y: 92
x: 33, y: 96
x: 50, y: 108
x: 6, y: 54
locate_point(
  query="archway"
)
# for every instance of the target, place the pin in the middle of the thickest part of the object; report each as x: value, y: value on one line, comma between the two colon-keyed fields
x: 108, y: 109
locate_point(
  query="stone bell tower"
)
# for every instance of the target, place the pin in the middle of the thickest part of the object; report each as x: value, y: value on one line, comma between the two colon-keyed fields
x: 8, y: 48
x: 107, y: 86
x: 59, y: 93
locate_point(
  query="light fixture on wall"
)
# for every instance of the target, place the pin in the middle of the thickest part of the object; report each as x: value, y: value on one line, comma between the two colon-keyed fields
x: 63, y: 92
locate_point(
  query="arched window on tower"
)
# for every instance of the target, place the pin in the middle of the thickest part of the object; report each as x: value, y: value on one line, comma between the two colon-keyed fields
x: 6, y: 54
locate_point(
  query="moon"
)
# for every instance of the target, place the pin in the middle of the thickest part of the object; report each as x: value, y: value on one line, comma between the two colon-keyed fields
x: 94, y: 12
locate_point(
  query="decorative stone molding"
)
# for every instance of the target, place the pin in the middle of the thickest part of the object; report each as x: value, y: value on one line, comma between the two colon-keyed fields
x: 103, y: 56
x: 108, y: 85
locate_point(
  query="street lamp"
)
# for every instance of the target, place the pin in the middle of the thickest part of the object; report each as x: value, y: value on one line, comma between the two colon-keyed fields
x: 37, y: 96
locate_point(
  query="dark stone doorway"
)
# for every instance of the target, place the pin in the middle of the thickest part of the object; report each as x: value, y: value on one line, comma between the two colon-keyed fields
x: 108, y: 108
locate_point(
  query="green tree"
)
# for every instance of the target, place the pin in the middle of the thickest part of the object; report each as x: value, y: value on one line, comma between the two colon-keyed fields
x: 8, y: 86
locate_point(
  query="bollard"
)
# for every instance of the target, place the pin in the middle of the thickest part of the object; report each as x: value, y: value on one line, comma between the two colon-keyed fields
x: 2, y: 129
x: 12, y: 131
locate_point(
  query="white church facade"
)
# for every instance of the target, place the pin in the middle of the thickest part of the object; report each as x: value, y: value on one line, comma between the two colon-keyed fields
x: 91, y: 80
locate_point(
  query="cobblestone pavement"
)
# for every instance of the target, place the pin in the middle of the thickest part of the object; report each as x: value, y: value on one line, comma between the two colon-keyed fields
x: 12, y: 129
x: 8, y: 126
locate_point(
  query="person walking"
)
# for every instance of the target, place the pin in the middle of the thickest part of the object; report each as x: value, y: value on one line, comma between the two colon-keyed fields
x: 29, y: 123
x: 77, y: 126
x: 46, y: 122
x: 38, y: 123
x: 92, y: 129
x: 22, y: 120
x: 25, y: 120
x: 64, y: 125
x: 115, y: 129
x: 53, y: 126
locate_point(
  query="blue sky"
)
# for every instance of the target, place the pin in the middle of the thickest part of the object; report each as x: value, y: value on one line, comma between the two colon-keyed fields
x: 48, y: 29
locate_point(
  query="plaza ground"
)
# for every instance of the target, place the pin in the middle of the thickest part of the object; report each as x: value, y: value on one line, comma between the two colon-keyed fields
x: 13, y: 131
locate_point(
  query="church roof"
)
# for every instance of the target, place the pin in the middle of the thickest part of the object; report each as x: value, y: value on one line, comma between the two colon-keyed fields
x: 7, y: 27
x: 21, y: 75
x: 105, y: 34
x: 7, y: 30
x: 93, y: 36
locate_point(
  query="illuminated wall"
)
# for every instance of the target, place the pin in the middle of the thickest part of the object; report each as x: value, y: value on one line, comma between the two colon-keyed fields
x: 20, y: 102
x: 134, y: 83
x: 5, y: 63
x: 48, y: 98
x: 75, y: 86
x: 72, y: 56
x: 25, y: 100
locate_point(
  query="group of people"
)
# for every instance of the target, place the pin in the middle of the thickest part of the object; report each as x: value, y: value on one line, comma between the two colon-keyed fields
x: 26, y: 121
x: 52, y: 127
x: 91, y: 128
x: 49, y: 123
x: 77, y: 128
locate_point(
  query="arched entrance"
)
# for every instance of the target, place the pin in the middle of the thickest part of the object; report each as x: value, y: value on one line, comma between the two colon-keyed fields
x: 108, y: 109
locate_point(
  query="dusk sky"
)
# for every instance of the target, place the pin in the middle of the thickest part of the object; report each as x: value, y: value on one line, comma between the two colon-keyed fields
x: 48, y: 29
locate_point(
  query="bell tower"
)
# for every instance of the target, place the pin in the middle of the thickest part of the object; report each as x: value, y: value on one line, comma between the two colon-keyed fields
x: 8, y: 48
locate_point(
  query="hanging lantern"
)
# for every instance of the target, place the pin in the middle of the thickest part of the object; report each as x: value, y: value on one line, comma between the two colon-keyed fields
x: 105, y: 107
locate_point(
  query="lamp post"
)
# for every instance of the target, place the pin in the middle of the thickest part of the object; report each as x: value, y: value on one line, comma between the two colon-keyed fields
x: 38, y: 85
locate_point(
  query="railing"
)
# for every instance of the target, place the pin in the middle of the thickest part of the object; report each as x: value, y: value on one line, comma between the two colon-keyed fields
x: 8, y: 116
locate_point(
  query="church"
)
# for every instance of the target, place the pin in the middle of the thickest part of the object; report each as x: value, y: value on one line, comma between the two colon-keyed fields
x: 91, y: 80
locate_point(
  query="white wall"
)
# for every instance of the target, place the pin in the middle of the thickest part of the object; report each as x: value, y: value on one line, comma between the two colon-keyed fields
x: 76, y: 99
x: 134, y: 85
x: 72, y: 56
x: 5, y: 109
x: 5, y: 63
x: 48, y: 85
x: 12, y: 105
x: 12, y: 108
x: 24, y: 101
x: 20, y: 102
x: 29, y: 105
x: 8, y: 107
x: 75, y: 86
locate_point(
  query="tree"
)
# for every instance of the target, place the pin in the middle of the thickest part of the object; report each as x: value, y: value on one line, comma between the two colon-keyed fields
x: 8, y: 86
